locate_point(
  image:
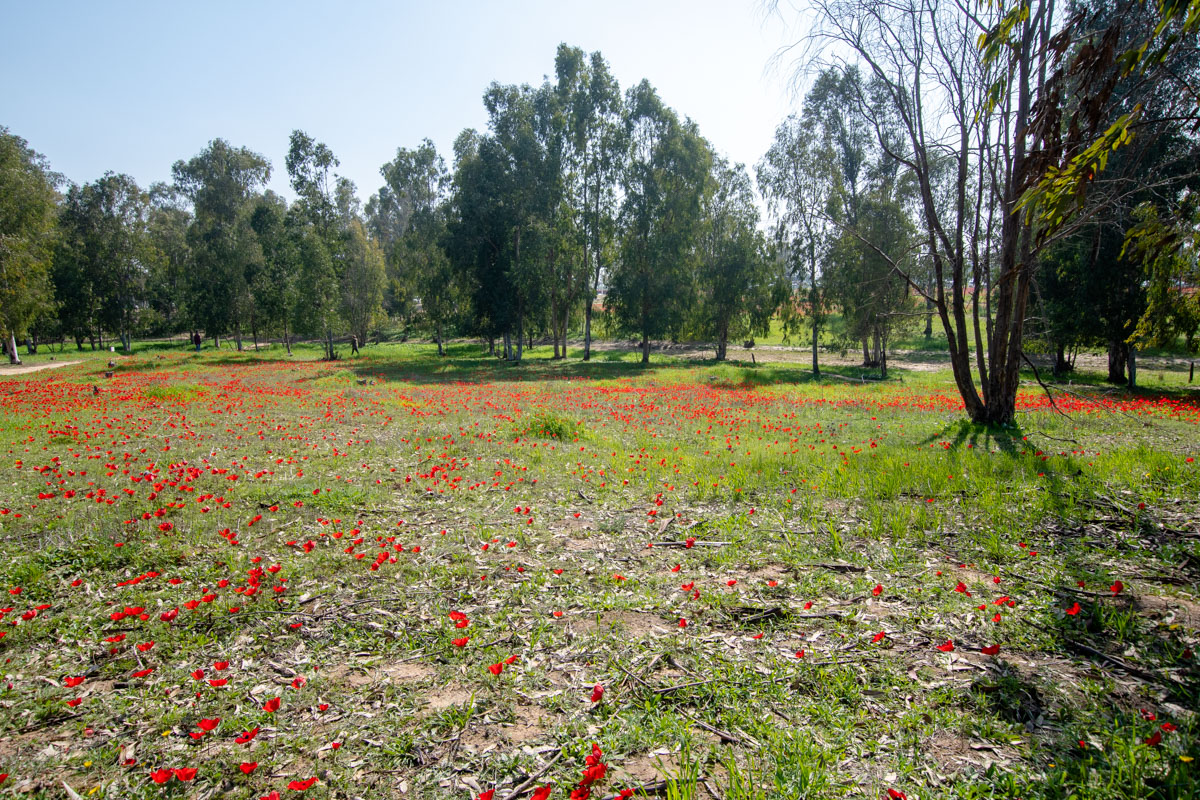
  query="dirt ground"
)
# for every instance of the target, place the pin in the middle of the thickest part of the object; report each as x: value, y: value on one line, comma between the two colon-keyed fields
x: 24, y: 369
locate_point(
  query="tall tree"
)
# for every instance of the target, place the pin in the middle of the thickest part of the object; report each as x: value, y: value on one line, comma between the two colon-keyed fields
x: 800, y: 180
x: 325, y: 205
x: 102, y: 265
x: 27, y: 220
x: 589, y: 98
x: 220, y: 182
x: 664, y: 185
x: 170, y: 258
x: 739, y: 286
x: 363, y: 280
x: 956, y: 103
x: 410, y: 212
x: 274, y: 284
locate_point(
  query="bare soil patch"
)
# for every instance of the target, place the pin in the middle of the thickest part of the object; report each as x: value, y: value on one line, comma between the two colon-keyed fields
x: 24, y: 369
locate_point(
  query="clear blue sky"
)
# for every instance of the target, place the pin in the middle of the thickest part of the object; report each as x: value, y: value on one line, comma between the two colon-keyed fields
x: 134, y: 86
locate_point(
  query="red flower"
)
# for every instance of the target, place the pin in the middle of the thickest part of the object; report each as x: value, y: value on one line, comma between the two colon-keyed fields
x: 948, y: 647
x: 895, y: 795
x: 597, y: 693
x: 962, y: 588
x: 198, y: 675
x: 1154, y: 740
x: 1073, y: 610
x: 799, y: 654
x: 1116, y: 588
x: 141, y: 673
x: 272, y: 705
x: 71, y: 683
x: 460, y: 642
x: 682, y: 622
x: 486, y: 795
x: 496, y: 668
x: 217, y: 683
x: 298, y: 682
x: 75, y: 702
x: 878, y: 590
x: 208, y: 724
x: 160, y: 775
x: 145, y: 647
x: 990, y: 650
x: 542, y: 792
x: 185, y: 774
x: 302, y: 786
x: 167, y: 616
x: 220, y: 665
x: 247, y: 736
x: 248, y: 766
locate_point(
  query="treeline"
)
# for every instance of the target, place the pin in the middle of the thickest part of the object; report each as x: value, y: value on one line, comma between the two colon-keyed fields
x: 577, y: 198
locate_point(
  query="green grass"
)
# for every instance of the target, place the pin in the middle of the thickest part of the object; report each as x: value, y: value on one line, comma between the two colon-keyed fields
x: 551, y: 504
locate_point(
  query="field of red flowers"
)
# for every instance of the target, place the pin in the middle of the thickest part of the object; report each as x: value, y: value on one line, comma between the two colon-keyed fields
x: 244, y: 578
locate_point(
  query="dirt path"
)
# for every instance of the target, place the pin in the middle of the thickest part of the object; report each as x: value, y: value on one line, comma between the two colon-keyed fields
x: 25, y: 369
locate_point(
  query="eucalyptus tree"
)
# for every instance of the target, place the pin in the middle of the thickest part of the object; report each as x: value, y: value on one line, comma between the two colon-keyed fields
x: 169, y: 259
x: 221, y: 181
x: 274, y: 285
x: 101, y: 265
x: 589, y: 99
x: 801, y: 182
x: 664, y: 184
x: 522, y: 124
x: 323, y: 215
x: 27, y: 223
x: 363, y: 279
x: 410, y: 215
x: 739, y: 285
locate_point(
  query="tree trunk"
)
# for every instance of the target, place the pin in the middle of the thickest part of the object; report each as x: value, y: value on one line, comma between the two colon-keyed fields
x: 645, y: 349
x: 1061, y: 366
x: 254, y: 333
x: 722, y: 342
x: 866, y: 352
x: 1117, y: 355
x: 816, y: 367
x: 287, y: 340
x: 566, y: 320
x: 439, y: 339
x: 13, y: 356
x: 1132, y: 367
x: 520, y: 340
x: 237, y: 336
x: 216, y: 341
x: 329, y: 344
x: 929, y: 319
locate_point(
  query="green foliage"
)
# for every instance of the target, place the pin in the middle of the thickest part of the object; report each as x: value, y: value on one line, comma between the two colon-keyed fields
x: 665, y: 182
x: 27, y: 206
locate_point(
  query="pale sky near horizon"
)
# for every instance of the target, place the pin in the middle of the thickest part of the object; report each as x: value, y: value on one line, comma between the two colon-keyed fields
x: 135, y: 86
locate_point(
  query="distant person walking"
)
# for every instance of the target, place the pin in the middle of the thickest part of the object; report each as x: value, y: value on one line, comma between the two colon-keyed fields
x: 353, y: 345
x: 196, y: 340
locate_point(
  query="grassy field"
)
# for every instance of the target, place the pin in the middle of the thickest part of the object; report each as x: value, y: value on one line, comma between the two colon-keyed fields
x: 248, y: 576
